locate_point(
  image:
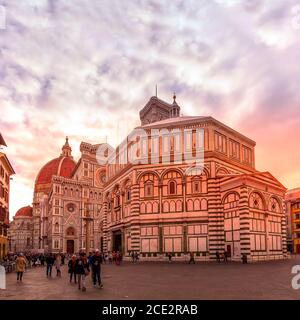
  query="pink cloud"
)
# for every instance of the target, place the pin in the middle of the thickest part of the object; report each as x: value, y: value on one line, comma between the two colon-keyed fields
x: 81, y: 68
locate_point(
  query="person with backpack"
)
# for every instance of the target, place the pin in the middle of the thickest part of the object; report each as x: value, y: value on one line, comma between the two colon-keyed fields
x: 96, y: 262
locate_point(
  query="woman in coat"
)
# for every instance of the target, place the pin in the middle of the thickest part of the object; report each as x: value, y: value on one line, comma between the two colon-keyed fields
x: 57, y: 264
x: 20, y: 266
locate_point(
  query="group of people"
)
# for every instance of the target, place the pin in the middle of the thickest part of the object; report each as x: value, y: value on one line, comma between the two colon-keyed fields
x: 222, y: 256
x: 79, y: 267
x: 191, y: 260
x: 54, y: 260
x: 115, y: 257
x: 134, y: 256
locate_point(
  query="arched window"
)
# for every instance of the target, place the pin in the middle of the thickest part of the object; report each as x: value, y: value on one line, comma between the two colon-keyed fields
x: 256, y: 201
x: 149, y: 189
x: 172, y: 187
x: 128, y: 195
x: 70, y: 231
x: 196, y: 186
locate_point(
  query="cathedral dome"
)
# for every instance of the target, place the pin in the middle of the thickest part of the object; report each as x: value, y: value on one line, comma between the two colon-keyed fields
x: 24, y: 212
x: 62, y: 166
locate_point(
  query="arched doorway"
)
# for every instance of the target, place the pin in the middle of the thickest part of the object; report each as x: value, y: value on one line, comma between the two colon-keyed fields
x: 232, y: 225
x: 70, y: 245
x: 117, y: 241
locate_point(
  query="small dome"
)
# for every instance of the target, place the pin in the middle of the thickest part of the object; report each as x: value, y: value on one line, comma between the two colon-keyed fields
x: 24, y: 212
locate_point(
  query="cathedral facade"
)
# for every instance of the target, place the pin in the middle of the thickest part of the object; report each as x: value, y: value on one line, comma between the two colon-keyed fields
x: 148, y: 196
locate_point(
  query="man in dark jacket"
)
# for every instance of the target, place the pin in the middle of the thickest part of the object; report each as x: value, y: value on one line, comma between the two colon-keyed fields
x: 49, y: 261
x: 82, y: 269
x: 96, y: 261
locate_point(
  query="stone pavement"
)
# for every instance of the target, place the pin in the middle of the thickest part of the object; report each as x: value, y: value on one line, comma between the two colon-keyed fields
x: 160, y: 280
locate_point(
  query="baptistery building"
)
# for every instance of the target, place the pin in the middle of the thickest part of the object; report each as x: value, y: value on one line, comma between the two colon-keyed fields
x: 177, y: 184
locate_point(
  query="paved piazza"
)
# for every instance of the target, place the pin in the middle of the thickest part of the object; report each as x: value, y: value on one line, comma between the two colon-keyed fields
x: 160, y: 280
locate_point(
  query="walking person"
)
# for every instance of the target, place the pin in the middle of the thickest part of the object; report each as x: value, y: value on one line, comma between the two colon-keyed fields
x: 136, y: 257
x: 170, y: 257
x: 132, y: 256
x: 225, y: 256
x: 58, y: 265
x: 42, y: 259
x: 118, y: 258
x: 110, y: 258
x: 20, y: 266
x: 49, y: 263
x: 63, y: 257
x: 218, y: 256
x: 103, y: 258
x: 192, y: 258
x: 82, y: 270
x: 96, y: 261
x: 72, y: 269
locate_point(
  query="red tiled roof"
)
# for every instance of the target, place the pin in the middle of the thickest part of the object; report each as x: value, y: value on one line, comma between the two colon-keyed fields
x: 24, y: 212
x: 61, y: 166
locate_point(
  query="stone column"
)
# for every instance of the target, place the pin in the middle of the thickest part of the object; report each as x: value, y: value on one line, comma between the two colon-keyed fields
x: 284, y: 230
x: 134, y: 212
x: 215, y: 219
x: 123, y: 241
x: 160, y: 239
x: 185, y: 245
x: 104, y: 221
x: 244, y: 222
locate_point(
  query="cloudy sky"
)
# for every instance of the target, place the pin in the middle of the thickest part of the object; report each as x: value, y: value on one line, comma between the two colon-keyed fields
x: 80, y: 67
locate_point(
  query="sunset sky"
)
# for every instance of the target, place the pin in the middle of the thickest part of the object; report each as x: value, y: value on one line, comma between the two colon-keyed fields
x: 85, y: 68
